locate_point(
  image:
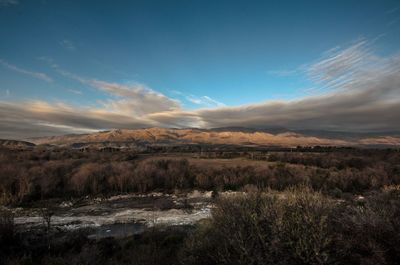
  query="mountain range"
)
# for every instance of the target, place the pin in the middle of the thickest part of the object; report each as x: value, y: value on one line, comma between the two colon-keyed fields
x: 229, y: 136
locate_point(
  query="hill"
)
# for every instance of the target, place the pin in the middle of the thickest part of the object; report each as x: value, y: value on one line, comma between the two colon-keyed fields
x: 236, y: 136
x: 15, y: 144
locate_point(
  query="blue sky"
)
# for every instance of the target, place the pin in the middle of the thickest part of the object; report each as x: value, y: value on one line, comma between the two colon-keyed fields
x: 201, y: 54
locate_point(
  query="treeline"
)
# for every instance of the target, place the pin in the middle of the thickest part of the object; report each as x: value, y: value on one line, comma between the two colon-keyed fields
x: 352, y: 158
x: 40, y: 174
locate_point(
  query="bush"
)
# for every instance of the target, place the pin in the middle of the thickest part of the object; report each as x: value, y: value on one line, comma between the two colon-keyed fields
x: 299, y: 226
x: 265, y: 229
x: 304, y: 228
x: 370, y: 233
x: 7, y: 232
x: 7, y: 228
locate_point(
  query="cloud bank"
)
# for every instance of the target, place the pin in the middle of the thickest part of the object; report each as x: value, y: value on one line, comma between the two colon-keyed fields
x: 360, y: 93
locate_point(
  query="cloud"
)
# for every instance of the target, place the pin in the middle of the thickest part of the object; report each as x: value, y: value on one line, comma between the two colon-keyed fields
x: 362, y: 93
x: 393, y: 21
x: 126, y: 107
x: 204, y: 101
x: 67, y: 44
x: 337, y: 68
x: 8, y: 2
x: 135, y: 100
x: 39, y: 118
x: 5, y: 93
x: 36, y: 75
x: 77, y: 92
x: 282, y: 73
x: 176, y: 92
x: 393, y: 10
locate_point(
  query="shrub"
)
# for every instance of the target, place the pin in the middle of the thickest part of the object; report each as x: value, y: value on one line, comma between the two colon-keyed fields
x: 299, y: 226
x: 370, y: 233
x: 6, y: 225
x: 265, y: 229
x: 7, y: 233
x: 303, y: 228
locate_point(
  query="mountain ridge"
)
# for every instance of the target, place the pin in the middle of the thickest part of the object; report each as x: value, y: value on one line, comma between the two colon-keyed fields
x: 235, y: 136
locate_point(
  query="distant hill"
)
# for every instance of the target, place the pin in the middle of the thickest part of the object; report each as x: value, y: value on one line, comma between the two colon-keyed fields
x: 15, y: 144
x: 231, y: 136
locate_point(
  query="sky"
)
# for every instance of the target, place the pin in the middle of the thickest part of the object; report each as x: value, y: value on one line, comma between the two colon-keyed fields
x: 84, y: 66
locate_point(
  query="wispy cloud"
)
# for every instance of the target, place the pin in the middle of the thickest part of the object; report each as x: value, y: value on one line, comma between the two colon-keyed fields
x: 37, y: 75
x: 393, y: 15
x: 176, y: 92
x: 135, y: 100
x: 50, y: 62
x: 393, y: 10
x: 339, y: 68
x: 68, y: 44
x: 282, y: 73
x: 393, y: 21
x: 202, y: 101
x: 205, y: 101
x: 8, y: 2
x: 74, y: 91
x: 5, y: 93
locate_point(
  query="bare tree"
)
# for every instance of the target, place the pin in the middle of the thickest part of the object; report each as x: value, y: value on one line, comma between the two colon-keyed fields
x: 47, y: 214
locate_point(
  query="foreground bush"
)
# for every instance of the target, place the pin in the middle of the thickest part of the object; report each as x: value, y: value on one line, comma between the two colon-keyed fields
x: 7, y: 231
x: 369, y: 233
x: 159, y: 246
x: 265, y: 229
x: 299, y: 226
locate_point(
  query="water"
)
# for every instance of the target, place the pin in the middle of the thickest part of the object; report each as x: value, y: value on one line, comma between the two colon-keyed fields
x: 118, y: 230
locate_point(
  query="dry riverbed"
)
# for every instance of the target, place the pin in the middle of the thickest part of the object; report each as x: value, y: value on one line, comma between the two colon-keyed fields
x: 122, y: 214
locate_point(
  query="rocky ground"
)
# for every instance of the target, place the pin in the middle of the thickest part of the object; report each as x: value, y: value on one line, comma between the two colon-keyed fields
x: 120, y: 215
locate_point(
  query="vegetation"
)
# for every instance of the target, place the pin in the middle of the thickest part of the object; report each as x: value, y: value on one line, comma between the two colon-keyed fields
x: 41, y: 173
x: 151, y: 247
x: 298, y: 227
x: 296, y: 208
